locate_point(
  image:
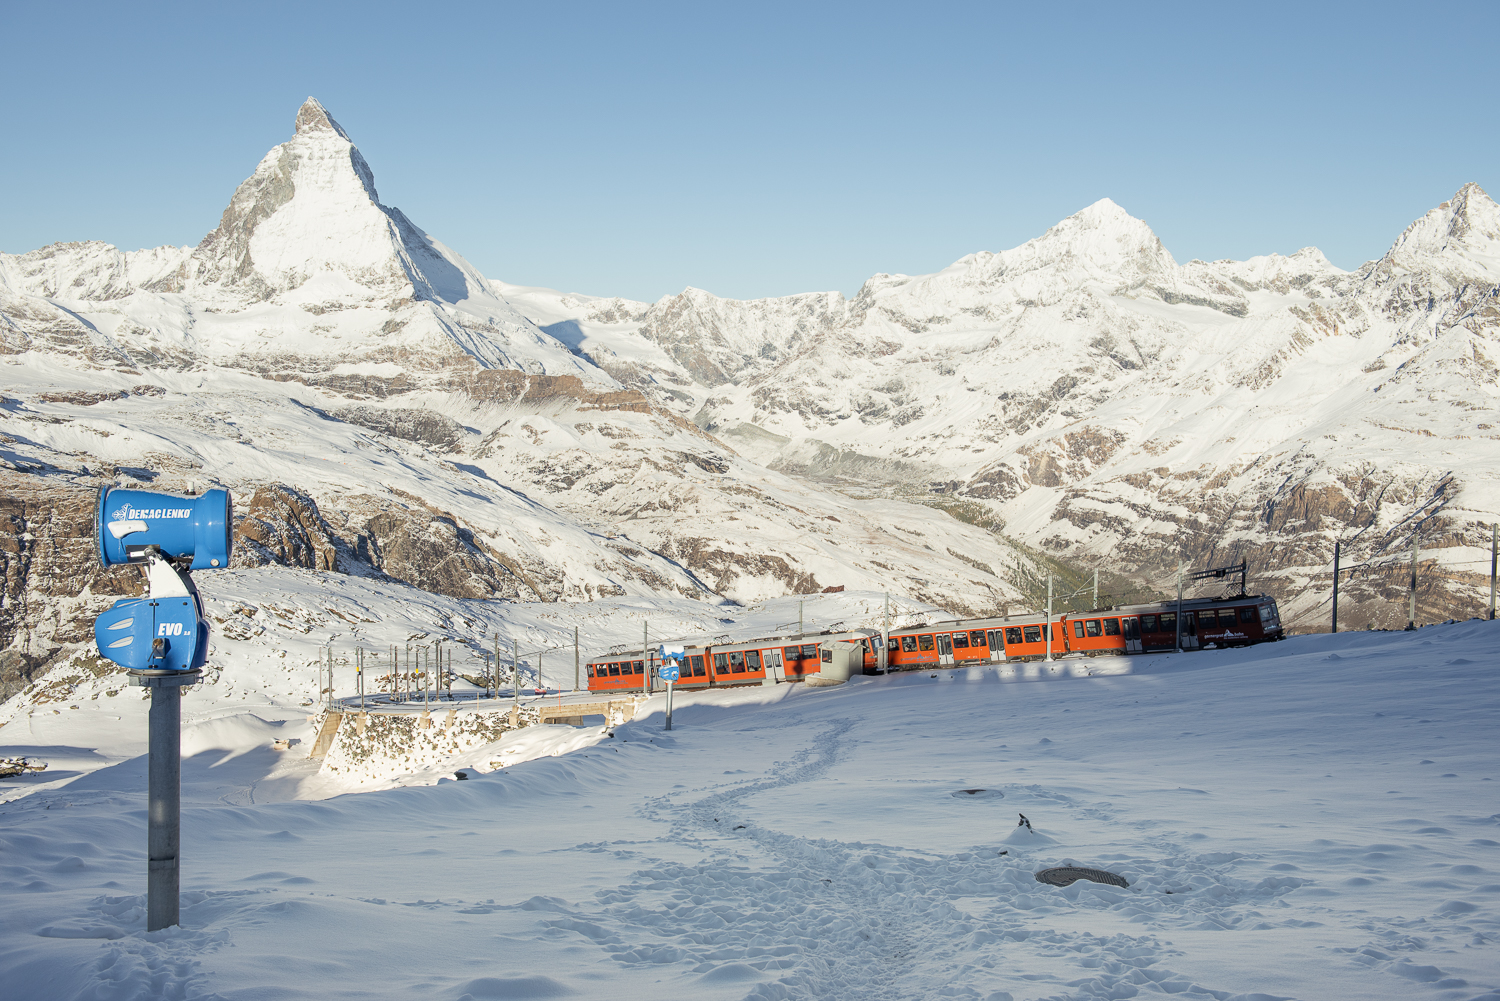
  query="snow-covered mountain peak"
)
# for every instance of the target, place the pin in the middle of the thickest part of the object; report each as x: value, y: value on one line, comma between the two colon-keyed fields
x: 313, y: 117
x: 1461, y: 232
x: 310, y: 206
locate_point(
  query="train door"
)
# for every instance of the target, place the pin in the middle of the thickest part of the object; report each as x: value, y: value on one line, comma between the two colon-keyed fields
x: 945, y: 648
x: 1131, y: 627
x: 996, y: 638
x: 774, y: 671
x: 1189, y: 631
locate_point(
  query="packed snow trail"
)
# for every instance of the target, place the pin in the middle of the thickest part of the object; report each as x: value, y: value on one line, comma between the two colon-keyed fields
x: 850, y: 920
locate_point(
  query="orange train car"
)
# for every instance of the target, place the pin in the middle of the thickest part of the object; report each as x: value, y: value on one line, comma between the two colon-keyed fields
x: 719, y: 664
x: 1149, y: 628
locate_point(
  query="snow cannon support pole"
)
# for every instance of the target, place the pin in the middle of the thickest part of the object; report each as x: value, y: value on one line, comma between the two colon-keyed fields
x: 162, y: 642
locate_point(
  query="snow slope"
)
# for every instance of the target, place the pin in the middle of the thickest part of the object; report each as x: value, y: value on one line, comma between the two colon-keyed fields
x: 1310, y: 819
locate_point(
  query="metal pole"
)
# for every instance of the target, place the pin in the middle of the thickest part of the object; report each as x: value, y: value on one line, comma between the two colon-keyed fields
x: 1047, y: 628
x: 497, y: 665
x: 1494, y: 550
x: 800, y: 605
x: 515, y: 673
x: 1096, y: 587
x: 575, y: 659
x: 1179, y: 606
x: 645, y: 658
x: 1411, y: 612
x: 885, y: 637
x: 539, y: 682
x: 669, y: 705
x: 164, y: 808
x: 1335, y: 587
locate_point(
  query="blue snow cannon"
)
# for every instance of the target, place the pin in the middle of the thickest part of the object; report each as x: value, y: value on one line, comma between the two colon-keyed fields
x: 154, y: 634
x: 128, y: 522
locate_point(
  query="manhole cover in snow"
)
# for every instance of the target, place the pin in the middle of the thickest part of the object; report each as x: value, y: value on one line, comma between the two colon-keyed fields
x: 1067, y: 875
x: 978, y: 794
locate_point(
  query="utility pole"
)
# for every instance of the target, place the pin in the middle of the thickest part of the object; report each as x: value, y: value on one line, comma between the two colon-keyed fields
x: 1494, y: 550
x: 1096, y: 587
x: 1179, y: 606
x: 800, y: 604
x: 884, y: 661
x: 515, y: 673
x: 1335, y: 587
x: 1411, y: 613
x: 645, y: 658
x: 575, y: 659
x: 1047, y: 626
x: 497, y: 665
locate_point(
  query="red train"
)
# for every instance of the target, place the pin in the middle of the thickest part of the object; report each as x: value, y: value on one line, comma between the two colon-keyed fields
x: 1125, y: 629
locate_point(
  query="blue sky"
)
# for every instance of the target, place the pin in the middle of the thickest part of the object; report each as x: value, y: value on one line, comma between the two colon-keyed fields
x: 760, y: 149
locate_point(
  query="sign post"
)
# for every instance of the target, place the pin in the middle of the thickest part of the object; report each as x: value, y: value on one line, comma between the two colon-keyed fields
x: 162, y: 641
x: 670, y: 670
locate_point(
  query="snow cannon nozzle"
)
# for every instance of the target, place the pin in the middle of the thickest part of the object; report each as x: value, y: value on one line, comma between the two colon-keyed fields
x: 131, y: 526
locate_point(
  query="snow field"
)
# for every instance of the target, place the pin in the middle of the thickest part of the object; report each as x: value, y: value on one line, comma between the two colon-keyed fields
x: 1311, y: 819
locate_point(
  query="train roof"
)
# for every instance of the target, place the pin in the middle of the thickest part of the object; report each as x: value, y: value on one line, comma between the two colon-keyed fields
x: 786, y: 639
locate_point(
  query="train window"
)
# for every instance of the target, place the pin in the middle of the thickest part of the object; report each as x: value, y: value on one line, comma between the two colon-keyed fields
x: 960, y: 641
x: 752, y: 660
x: 792, y: 653
x: 1078, y: 629
x: 909, y: 644
x: 826, y: 656
x: 736, y: 662
x: 1111, y: 627
x: 614, y: 670
x: 892, y: 644
x: 1169, y: 622
x: 1247, y: 614
x: 636, y: 667
x: 924, y: 643
x: 1148, y: 623
x: 976, y: 637
x: 721, y: 663
x: 1013, y: 635
x: 1033, y: 634
x: 695, y: 662
x: 1206, y: 617
x: 591, y: 670
x: 997, y: 639
x: 809, y: 651
x: 1268, y: 616
x: 1092, y: 627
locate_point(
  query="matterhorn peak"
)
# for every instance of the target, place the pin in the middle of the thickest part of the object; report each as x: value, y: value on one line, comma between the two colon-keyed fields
x: 313, y: 117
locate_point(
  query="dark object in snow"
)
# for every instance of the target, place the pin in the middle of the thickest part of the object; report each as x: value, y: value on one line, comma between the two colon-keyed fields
x: 1067, y: 875
x: 1005, y: 852
x: 1023, y: 822
x: 739, y: 827
x: 460, y: 775
x: 978, y: 794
